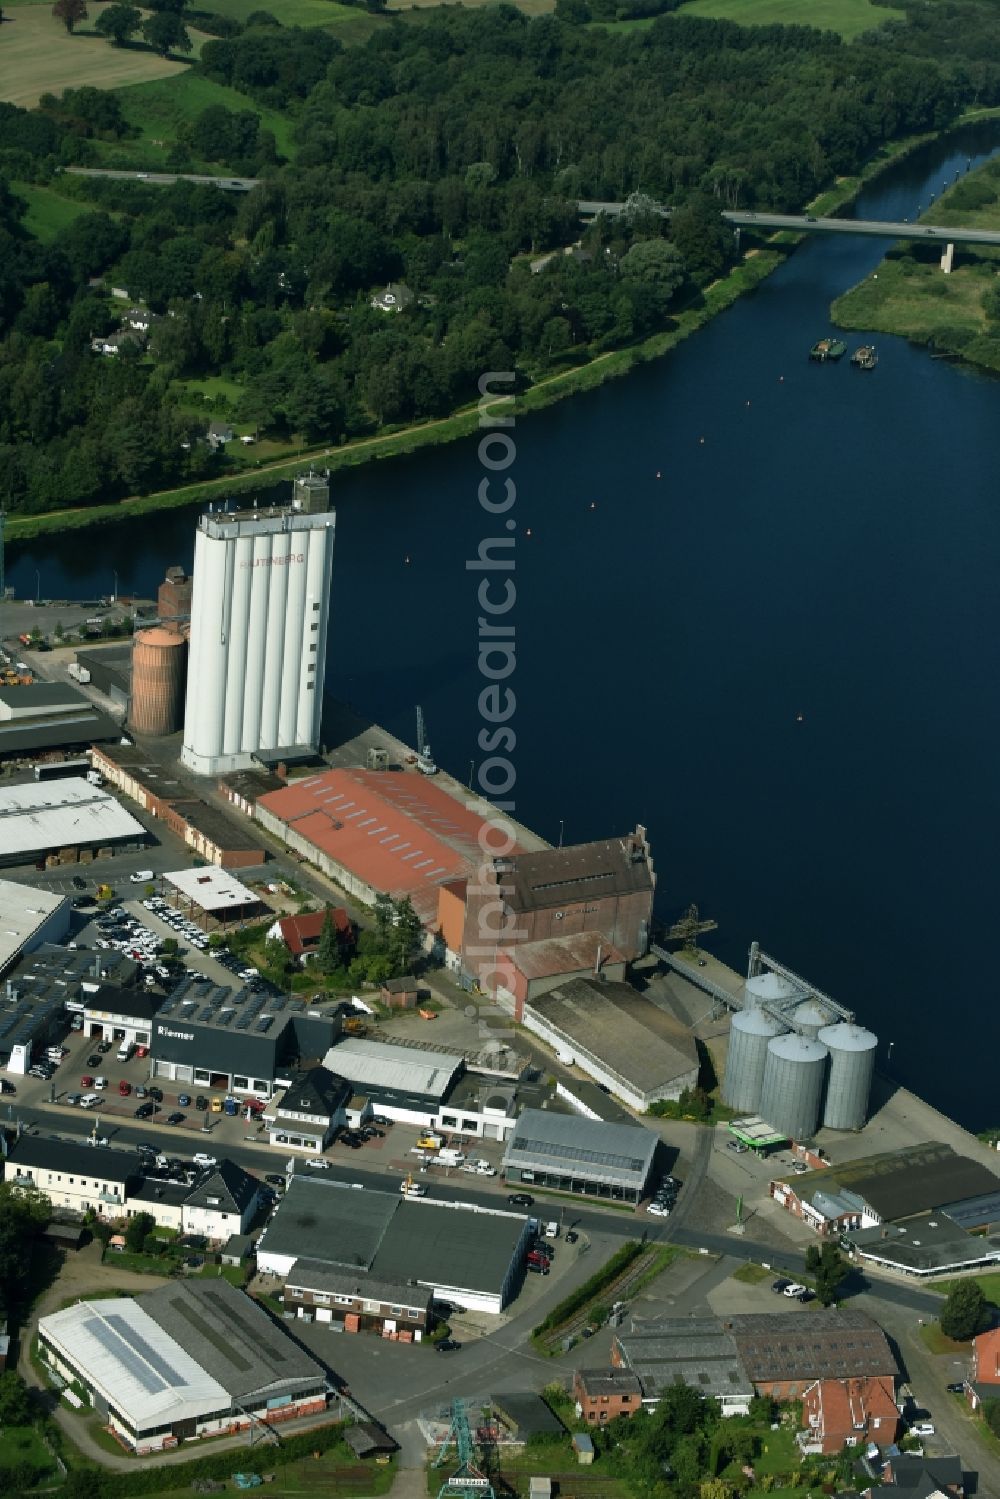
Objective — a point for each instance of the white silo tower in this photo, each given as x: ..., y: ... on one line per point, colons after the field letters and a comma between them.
x: 259, y: 614
x: 794, y: 1074
x: 852, y: 1063
x: 749, y: 1034
x: 810, y: 1017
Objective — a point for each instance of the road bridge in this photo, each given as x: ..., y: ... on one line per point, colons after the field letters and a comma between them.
x: 805, y: 223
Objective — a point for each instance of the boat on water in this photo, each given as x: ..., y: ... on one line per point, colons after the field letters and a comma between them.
x: 828, y: 349
x: 865, y: 358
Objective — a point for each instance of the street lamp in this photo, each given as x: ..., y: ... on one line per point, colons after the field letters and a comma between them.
x: 114, y: 596
x: 38, y: 586
x: 888, y: 1055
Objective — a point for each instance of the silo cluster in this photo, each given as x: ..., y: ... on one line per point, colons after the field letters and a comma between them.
x: 158, y: 661
x: 797, y: 1071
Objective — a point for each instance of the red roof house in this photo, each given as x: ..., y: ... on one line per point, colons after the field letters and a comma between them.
x: 301, y: 934
x: 849, y: 1412
x: 986, y: 1350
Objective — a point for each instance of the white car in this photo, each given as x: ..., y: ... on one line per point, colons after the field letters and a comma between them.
x: 793, y: 1290
x: 658, y: 1210
x: 319, y: 1165
x: 100, y: 1083
x: 201, y: 1159
x: 89, y: 1099
x: 922, y: 1429
x: 413, y: 1189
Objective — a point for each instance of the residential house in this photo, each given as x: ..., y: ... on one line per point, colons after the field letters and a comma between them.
x: 394, y: 298
x: 603, y: 1394
x: 308, y: 1113
x: 223, y: 1203
x: 924, y: 1477
x: 218, y: 434
x: 301, y: 934
x: 82, y: 1178
x: 984, y: 1383
x: 139, y: 319
x: 117, y: 343
x: 400, y: 1310
x: 838, y: 1413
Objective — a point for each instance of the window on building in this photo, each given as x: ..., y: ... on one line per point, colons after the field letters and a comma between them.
x: 412, y: 1313
x: 314, y: 625
x: 313, y: 646
x: 397, y: 1311
x: 470, y: 1123
x: 344, y: 1300
x: 295, y: 1293
x: 450, y: 1121
x: 241, y: 1082
x: 310, y: 686
x: 321, y: 1298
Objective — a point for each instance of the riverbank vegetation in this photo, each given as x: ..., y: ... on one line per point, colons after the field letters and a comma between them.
x: 399, y: 162
x: 956, y: 314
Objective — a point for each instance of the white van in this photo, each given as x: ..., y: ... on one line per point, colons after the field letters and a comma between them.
x: 89, y: 1099
x: 141, y: 877
x: 124, y: 1051
x: 448, y: 1157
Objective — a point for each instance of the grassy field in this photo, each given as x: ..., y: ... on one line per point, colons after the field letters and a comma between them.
x: 288, y: 12
x: 22, y: 1444
x: 38, y: 56
x: 751, y: 1275
x: 157, y: 108
x: 908, y: 295
x: 849, y: 17
x: 48, y: 211
x: 526, y: 7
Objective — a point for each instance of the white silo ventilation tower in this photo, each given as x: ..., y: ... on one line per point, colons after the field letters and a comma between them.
x: 259, y: 614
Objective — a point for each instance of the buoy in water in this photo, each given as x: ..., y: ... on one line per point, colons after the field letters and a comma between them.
x: 701, y: 439
x: 657, y: 473
x: 528, y: 532
x: 406, y: 560
x: 593, y: 504
x: 800, y: 718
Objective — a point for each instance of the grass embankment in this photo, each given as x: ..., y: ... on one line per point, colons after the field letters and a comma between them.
x: 848, y: 17
x: 751, y: 1275
x: 157, y: 109
x: 39, y: 56
x: 49, y: 212
x: 909, y: 295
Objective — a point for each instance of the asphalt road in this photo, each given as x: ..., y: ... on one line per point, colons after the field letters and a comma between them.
x: 164, y: 179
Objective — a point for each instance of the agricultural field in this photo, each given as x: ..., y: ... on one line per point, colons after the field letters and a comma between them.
x: 849, y: 17
x: 288, y: 12
x: 526, y: 7
x: 48, y: 211
x: 156, y: 109
x: 38, y: 56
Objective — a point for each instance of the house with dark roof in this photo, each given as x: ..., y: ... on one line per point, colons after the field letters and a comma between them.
x: 603, y: 1394
x: 310, y: 1110
x: 78, y: 1177
x: 222, y: 1203
x: 397, y: 1309
x: 922, y: 1477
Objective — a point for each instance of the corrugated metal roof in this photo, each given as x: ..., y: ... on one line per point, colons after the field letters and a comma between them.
x: 61, y: 814
x: 644, y: 1047
x: 130, y: 1360
x: 23, y: 909
x: 588, y: 1148
x: 582, y: 871
x: 379, y: 1064
x: 562, y: 954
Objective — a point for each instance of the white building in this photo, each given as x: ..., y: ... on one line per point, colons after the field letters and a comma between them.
x: 259, y: 615
x: 77, y: 1177
x: 29, y: 916
x: 223, y: 1203
x: 49, y: 816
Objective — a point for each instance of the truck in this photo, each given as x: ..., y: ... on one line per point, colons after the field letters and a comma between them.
x: 450, y: 1157
x: 55, y: 770
x: 95, y: 778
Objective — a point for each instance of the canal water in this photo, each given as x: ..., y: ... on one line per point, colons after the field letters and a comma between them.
x: 757, y: 610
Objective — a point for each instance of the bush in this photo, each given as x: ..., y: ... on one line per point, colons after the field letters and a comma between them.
x: 590, y: 1288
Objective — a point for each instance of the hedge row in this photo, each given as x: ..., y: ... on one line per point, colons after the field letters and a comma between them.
x: 576, y: 1299
x: 151, y: 1480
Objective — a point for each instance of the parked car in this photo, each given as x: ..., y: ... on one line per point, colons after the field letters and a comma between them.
x: 201, y: 1102
x: 78, y: 883
x: 100, y: 1083
x: 144, y: 1111
x: 537, y: 1269
x: 142, y: 1051
x: 571, y: 1236
x: 142, y: 1091
x: 184, y: 1100
x: 124, y: 1088
x: 94, y: 1060
x: 958, y: 1388
x: 86, y: 1081
x: 807, y: 1295
x: 447, y: 1345
x: 520, y: 1199
x: 104, y: 1047
x: 175, y: 1118
x: 156, y: 1093
x: 318, y: 1164
x: 272, y: 1177
x: 780, y: 1285
x: 201, y: 1158
x: 794, y: 1290
x: 922, y: 1429
x: 658, y: 1210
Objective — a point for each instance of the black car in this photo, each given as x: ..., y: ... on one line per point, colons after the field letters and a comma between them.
x: 156, y: 1093
x: 571, y: 1236
x: 144, y: 1111
x: 275, y: 1180
x: 538, y: 1269
x: 104, y: 1047
x: 382, y: 1119
x: 780, y: 1286
x: 175, y: 1118
x: 82, y: 902
x: 520, y: 1199
x: 447, y: 1345
x: 93, y: 1060
x: 201, y: 1102
x: 956, y: 1389
x: 807, y: 1295
x: 78, y: 883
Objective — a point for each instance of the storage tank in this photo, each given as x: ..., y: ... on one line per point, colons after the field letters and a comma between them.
x: 158, y: 660
x: 749, y: 1035
x: 810, y: 1018
x: 770, y: 987
x: 852, y: 1062
x: 794, y: 1074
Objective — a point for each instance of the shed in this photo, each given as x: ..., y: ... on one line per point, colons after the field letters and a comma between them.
x: 540, y: 1488
x: 583, y: 1446
x: 236, y: 1249
x: 366, y: 1439
x: 66, y: 1234
x: 117, y: 1243
x: 401, y: 993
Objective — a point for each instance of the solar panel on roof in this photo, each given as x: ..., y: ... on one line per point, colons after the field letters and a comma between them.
x: 263, y: 1026
x: 244, y: 1022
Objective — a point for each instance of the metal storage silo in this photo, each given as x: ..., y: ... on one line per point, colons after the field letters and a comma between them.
x: 810, y: 1018
x: 158, y: 660
x: 770, y: 987
x: 852, y: 1062
x: 794, y: 1074
x: 749, y: 1035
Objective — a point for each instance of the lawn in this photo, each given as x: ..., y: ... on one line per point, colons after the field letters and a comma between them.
x: 39, y: 56
x: 48, y: 211
x: 157, y: 108
x: 289, y: 12
x: 332, y: 1474
x: 22, y: 1444
x: 849, y: 17
x: 751, y: 1275
x: 526, y: 7
x: 988, y: 1284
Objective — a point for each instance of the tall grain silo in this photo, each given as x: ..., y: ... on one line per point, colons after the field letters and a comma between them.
x: 749, y: 1035
x: 852, y: 1063
x: 158, y: 660
x: 771, y: 988
x: 794, y: 1075
x: 810, y: 1018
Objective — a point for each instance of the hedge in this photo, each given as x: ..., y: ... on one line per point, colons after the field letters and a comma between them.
x: 590, y: 1288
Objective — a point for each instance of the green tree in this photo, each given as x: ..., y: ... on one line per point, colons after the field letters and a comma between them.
x: 384, y: 914
x: 69, y: 12
x: 15, y: 1402
x: 407, y: 933
x: 965, y: 1313
x: 166, y: 32
x: 654, y: 263
x: 328, y: 958
x: 276, y: 955
x: 57, y: 630
x: 828, y: 1267
x: 119, y: 23
x: 139, y: 1226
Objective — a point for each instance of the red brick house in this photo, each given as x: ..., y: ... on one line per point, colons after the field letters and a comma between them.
x: 603, y: 1394
x: 838, y: 1413
x: 301, y: 934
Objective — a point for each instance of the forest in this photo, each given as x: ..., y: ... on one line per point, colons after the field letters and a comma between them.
x: 446, y: 155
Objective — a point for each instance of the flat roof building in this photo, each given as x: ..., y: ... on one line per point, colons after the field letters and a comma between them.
x: 587, y: 1157
x: 29, y: 916
x: 62, y: 817
x: 194, y: 1358
x: 639, y: 1052
x: 407, y: 1082
x: 211, y: 894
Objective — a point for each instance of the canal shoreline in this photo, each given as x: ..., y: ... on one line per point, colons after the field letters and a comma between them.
x: 755, y: 267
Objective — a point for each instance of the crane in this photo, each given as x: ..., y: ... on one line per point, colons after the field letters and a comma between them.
x: 425, y: 760
x: 688, y: 929
x: 467, y: 1478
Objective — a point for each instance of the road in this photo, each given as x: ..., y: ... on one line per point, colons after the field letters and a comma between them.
x: 808, y: 224
x: 166, y: 179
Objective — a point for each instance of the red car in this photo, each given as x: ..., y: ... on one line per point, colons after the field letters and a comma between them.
x: 124, y: 1088
x: 86, y: 1081
x: 142, y: 1051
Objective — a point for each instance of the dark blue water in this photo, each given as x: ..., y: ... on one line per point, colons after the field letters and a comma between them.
x: 781, y: 656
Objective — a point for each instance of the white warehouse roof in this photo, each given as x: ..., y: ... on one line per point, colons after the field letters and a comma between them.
x: 24, y: 909
x: 212, y: 889
x: 378, y: 1064
x: 61, y: 814
x: 138, y: 1368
